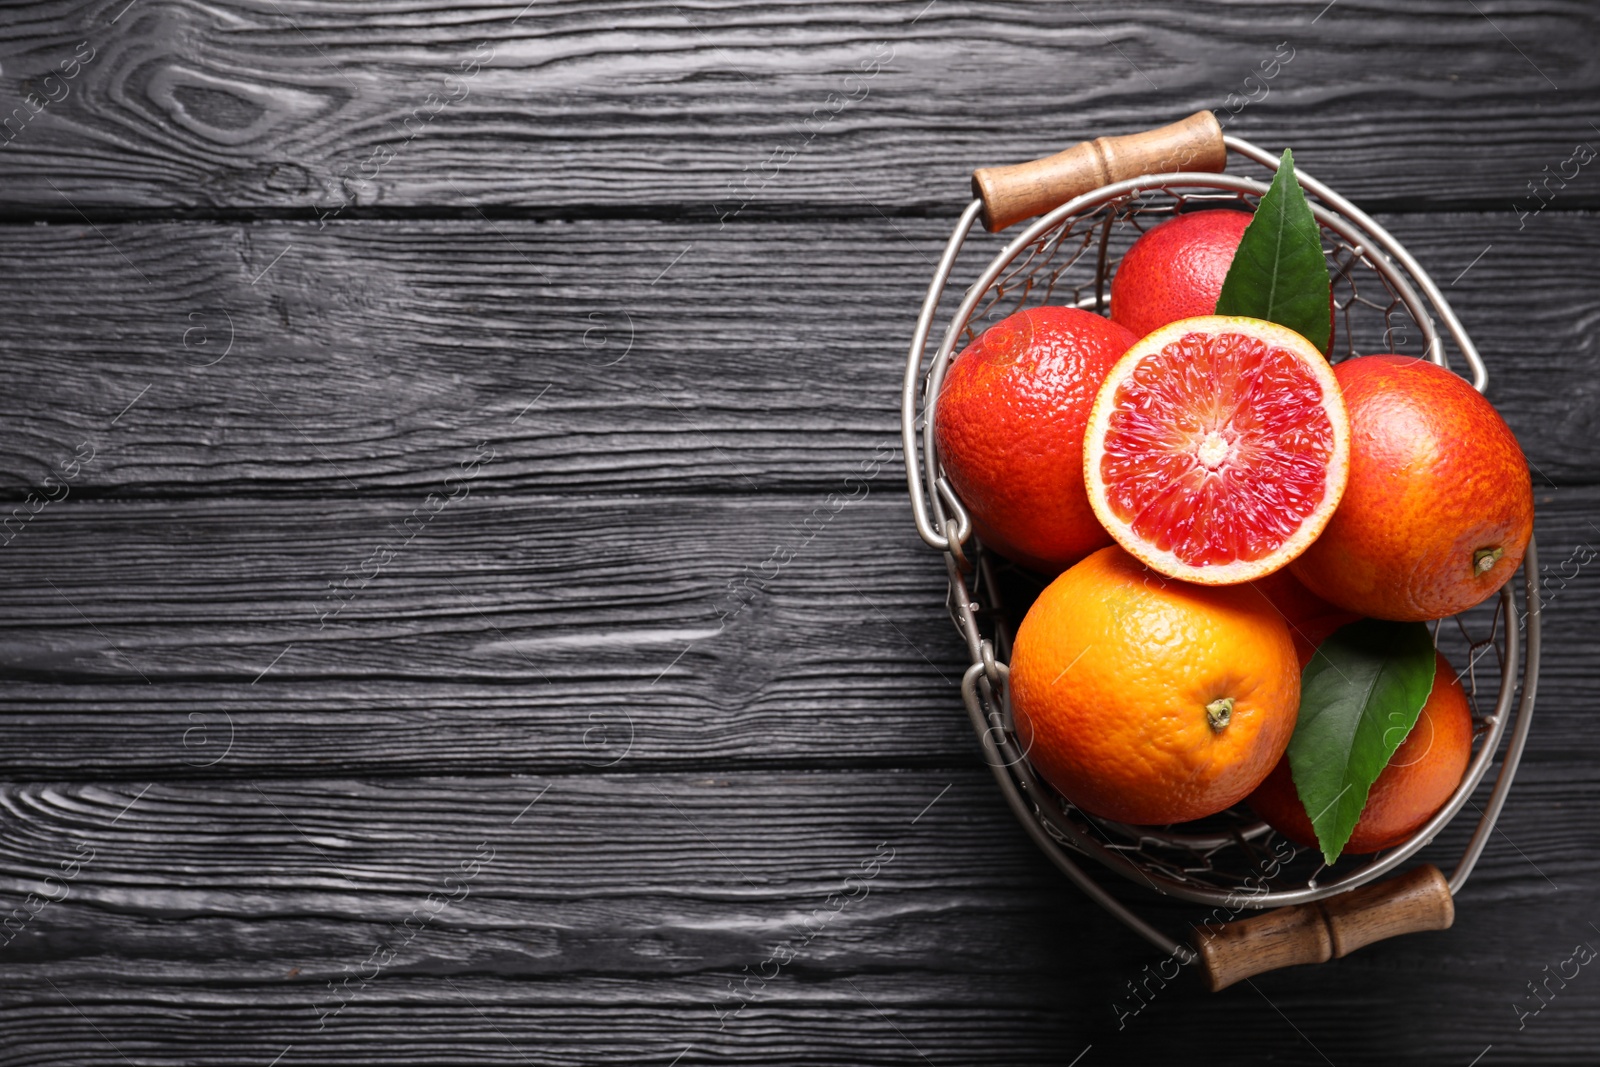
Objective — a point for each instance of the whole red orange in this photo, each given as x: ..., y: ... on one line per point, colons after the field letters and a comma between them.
x: 1176, y: 270
x: 1421, y: 776
x: 1438, y: 509
x: 1009, y: 428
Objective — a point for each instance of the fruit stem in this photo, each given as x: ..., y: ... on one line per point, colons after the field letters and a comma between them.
x: 1485, y: 558
x: 1219, y: 712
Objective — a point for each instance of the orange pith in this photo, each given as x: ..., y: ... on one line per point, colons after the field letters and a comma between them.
x: 1148, y: 700
x: 1217, y: 449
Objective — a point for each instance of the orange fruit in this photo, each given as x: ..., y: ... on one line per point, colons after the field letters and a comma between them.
x: 1439, y: 506
x: 1310, y: 618
x: 1009, y: 430
x: 1294, y: 601
x: 1421, y: 776
x: 1176, y: 270
x: 1147, y: 700
x: 1309, y: 633
x: 1217, y: 449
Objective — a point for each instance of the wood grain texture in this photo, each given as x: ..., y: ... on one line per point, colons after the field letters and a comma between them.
x: 506, y: 635
x: 622, y: 262
x: 1417, y: 900
x: 150, y: 638
x: 593, y: 356
x: 1023, y: 190
x: 883, y: 1019
x: 712, y: 108
x: 618, y: 908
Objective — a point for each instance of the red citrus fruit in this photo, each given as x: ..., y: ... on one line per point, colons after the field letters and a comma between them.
x: 1310, y: 618
x: 1176, y: 270
x: 1148, y: 700
x: 1421, y: 776
x: 1217, y: 449
x: 1293, y: 600
x: 1009, y: 428
x: 1439, y: 506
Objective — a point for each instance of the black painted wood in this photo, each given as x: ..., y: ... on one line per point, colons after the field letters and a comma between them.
x: 364, y: 851
x: 591, y: 356
x: 187, y: 638
x: 643, y: 362
x: 632, y: 901
x: 726, y: 108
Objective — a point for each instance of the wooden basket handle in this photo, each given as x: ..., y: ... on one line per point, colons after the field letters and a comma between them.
x: 1023, y: 190
x: 1327, y: 929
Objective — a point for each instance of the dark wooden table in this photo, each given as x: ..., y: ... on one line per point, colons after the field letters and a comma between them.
x: 393, y: 394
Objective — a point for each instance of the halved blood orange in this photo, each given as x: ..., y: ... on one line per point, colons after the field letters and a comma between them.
x: 1217, y: 449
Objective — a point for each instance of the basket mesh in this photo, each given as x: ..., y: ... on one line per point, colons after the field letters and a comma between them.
x: 1072, y: 263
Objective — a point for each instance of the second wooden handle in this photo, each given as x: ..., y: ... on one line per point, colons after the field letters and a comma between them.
x: 1023, y: 190
x: 1312, y: 933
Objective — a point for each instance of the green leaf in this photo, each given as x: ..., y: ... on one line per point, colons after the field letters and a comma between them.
x: 1359, y: 697
x: 1279, y: 272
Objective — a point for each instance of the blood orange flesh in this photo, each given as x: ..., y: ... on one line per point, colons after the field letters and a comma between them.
x: 1217, y: 449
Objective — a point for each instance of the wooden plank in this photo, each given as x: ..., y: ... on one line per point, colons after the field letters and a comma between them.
x: 734, y: 107
x: 511, y: 634
x: 600, y: 356
x: 880, y: 1019
x: 618, y: 908
x: 268, y: 798
x: 594, y: 862
x: 160, y: 638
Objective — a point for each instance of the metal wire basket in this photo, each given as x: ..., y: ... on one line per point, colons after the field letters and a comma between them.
x: 1097, y: 198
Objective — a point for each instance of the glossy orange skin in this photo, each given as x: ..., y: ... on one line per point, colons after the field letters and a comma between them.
x: 1435, y: 475
x: 1176, y: 270
x: 1111, y: 673
x: 1422, y: 774
x: 1009, y: 429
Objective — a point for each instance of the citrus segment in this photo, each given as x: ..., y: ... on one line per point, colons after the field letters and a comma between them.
x: 1217, y: 449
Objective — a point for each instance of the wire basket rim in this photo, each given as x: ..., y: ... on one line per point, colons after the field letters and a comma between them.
x: 945, y: 524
